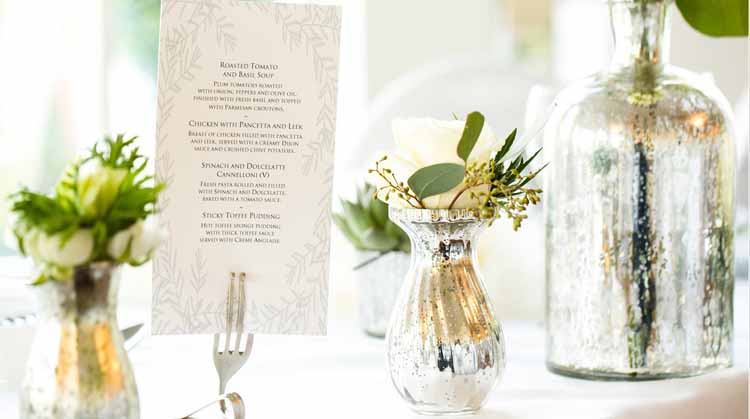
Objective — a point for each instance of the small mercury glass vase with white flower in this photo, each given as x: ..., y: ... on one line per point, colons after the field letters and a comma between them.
x: 445, y: 183
x: 100, y: 216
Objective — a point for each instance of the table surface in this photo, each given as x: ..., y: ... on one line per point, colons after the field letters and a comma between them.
x: 343, y: 375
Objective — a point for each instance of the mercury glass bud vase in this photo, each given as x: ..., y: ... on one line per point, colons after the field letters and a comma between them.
x: 445, y: 347
x: 639, y: 213
x: 78, y: 367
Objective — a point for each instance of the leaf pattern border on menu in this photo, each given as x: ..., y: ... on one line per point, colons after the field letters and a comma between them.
x: 312, y: 28
x: 179, y: 55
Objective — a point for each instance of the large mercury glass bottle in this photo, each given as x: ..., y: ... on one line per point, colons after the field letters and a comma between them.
x: 639, y: 214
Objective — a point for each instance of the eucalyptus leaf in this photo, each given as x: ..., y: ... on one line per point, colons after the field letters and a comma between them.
x: 470, y: 135
x: 716, y: 17
x: 436, y: 179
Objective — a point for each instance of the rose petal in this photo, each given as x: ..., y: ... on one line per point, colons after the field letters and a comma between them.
x: 74, y: 252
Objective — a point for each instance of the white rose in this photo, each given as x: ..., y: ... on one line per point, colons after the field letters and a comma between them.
x: 422, y: 142
x: 75, y: 251
x: 98, y: 186
x: 427, y: 141
x: 31, y: 244
x: 143, y: 238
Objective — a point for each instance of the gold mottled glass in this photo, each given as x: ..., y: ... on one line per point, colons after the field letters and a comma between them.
x: 445, y: 347
x: 78, y: 367
x: 639, y: 213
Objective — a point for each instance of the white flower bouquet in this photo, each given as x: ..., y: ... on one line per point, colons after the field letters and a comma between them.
x: 102, y: 210
x: 456, y: 164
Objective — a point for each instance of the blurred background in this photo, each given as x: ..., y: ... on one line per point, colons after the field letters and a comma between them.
x: 78, y: 70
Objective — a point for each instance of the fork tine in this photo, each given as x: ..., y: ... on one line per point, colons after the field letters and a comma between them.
x: 230, y: 311
x: 240, y: 313
x: 216, y: 342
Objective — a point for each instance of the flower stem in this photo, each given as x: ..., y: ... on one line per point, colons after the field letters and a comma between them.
x: 455, y: 198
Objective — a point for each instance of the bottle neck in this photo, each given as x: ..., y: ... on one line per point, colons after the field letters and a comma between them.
x: 641, y: 33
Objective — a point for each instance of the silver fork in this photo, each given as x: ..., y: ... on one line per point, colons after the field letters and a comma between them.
x: 228, y: 362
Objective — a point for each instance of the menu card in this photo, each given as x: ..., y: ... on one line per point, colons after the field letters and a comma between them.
x: 245, y: 140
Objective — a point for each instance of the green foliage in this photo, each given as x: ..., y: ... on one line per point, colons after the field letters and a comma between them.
x: 117, y: 173
x: 365, y: 223
x: 136, y: 199
x: 509, y: 140
x: 716, y: 17
x: 470, y: 135
x: 436, y: 179
x: 442, y: 177
x: 393, y: 185
x: 507, y: 185
x: 497, y: 186
x: 47, y: 214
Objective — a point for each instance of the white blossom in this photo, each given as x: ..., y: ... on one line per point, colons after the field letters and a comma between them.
x: 137, y: 243
x: 422, y: 142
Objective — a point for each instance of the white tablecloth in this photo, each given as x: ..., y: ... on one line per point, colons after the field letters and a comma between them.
x: 344, y: 376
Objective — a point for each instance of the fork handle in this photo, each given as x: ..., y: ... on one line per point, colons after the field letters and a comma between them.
x: 222, y: 385
x: 232, y: 399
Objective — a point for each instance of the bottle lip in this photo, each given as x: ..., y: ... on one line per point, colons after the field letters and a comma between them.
x: 434, y: 215
x: 636, y: 2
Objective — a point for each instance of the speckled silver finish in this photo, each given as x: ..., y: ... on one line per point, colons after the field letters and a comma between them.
x: 445, y: 348
x: 639, y: 214
x: 78, y: 368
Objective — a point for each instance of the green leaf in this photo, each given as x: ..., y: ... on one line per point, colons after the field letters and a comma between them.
x: 472, y: 130
x: 436, y: 179
x: 525, y: 163
x: 20, y: 243
x: 378, y: 240
x: 533, y: 175
x: 506, y: 146
x: 395, y: 231
x: 99, y: 231
x: 67, y: 188
x: 348, y: 233
x: 357, y: 218
x: 716, y: 17
x: 379, y: 212
x: 364, y: 195
x: 42, y: 212
x: 39, y: 280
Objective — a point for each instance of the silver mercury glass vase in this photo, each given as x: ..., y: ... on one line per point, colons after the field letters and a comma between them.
x: 446, y: 349
x: 639, y: 214
x: 78, y: 367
